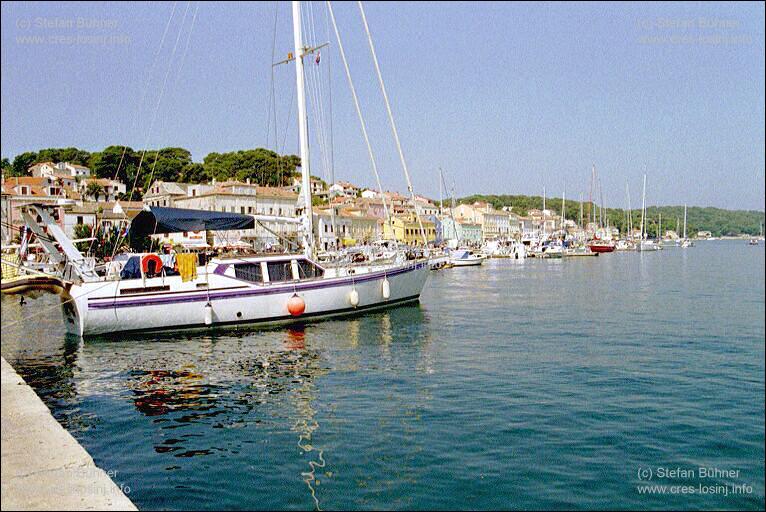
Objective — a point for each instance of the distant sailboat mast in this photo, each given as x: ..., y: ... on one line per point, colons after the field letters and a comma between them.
x: 544, y: 212
x: 563, y: 207
x: 643, y: 209
x: 659, y: 228
x: 441, y: 186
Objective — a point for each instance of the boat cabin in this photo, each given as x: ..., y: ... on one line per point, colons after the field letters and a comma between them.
x: 277, y: 269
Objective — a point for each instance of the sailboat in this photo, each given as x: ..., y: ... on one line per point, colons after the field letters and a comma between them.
x: 754, y: 240
x: 686, y: 242
x: 224, y: 291
x: 644, y: 244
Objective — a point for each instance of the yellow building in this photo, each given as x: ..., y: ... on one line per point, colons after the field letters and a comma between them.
x: 405, y: 228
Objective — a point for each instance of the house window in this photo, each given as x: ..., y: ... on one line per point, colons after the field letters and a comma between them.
x: 280, y: 211
x: 242, y: 208
x: 271, y: 211
x: 249, y: 209
x: 194, y: 192
x: 79, y: 219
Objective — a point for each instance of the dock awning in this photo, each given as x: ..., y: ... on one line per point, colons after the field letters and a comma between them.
x: 155, y: 219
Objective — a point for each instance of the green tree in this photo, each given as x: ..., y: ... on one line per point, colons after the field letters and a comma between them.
x: 23, y: 162
x: 71, y: 155
x: 193, y: 173
x: 6, y: 166
x: 260, y: 165
x: 95, y: 190
x: 166, y: 164
x: 119, y: 162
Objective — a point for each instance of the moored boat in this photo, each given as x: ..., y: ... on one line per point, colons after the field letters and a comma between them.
x: 465, y: 258
x: 601, y: 246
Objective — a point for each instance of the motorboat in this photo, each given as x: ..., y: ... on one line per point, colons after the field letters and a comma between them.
x: 465, y: 258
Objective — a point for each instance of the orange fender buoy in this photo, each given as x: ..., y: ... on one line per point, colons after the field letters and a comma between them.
x: 296, y: 306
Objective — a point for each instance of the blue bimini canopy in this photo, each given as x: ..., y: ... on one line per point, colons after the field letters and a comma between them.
x: 155, y: 219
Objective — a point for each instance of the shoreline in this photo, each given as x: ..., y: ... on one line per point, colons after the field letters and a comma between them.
x: 43, y: 466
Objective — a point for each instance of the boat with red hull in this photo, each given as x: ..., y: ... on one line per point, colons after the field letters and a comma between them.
x: 601, y: 247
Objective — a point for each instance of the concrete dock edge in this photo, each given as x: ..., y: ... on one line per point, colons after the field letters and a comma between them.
x: 43, y: 466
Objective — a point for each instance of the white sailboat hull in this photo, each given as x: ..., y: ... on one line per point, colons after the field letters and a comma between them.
x: 99, y: 308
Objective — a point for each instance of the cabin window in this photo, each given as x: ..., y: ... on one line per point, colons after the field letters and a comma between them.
x: 307, y: 270
x: 280, y: 271
x: 249, y: 272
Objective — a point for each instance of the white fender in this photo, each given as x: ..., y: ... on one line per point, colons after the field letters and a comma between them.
x: 208, y: 314
x: 353, y: 297
x: 386, y: 288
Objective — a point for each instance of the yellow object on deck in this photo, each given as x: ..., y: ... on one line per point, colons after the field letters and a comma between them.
x: 187, y: 266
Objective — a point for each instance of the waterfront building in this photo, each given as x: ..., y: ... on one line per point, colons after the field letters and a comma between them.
x: 545, y: 220
x: 164, y: 193
x: 426, y: 207
x: 61, y: 169
x: 464, y: 231
x: 373, y: 207
x: 18, y: 191
x: 330, y: 228
x: 103, y: 214
x: 495, y: 224
x: 364, y: 228
x: 406, y: 228
x: 234, y: 197
x: 318, y: 188
x: 112, y: 189
x: 344, y: 188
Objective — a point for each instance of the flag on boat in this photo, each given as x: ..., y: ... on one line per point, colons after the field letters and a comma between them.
x: 319, y: 56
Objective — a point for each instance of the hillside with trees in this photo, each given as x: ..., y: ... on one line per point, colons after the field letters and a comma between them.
x: 718, y: 221
x: 259, y: 165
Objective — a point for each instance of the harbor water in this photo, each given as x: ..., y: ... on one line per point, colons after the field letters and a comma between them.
x: 585, y: 383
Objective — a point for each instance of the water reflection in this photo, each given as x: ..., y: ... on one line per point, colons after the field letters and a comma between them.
x: 185, y: 384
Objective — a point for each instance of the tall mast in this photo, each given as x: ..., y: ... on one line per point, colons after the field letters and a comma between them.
x: 591, y: 205
x: 643, y: 209
x: 684, y: 221
x: 544, y: 212
x: 441, y: 184
x: 630, y: 212
x: 659, y: 228
x: 563, y: 207
x: 300, y: 50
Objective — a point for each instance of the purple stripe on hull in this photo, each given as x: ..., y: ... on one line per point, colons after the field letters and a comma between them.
x: 203, y: 296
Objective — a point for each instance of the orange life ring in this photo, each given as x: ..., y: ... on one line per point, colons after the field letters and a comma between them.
x: 157, y: 263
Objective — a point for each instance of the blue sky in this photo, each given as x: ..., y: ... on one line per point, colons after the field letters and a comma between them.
x: 506, y: 98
